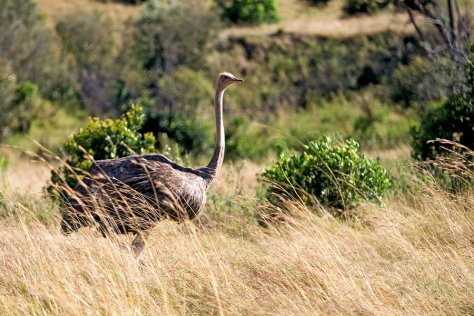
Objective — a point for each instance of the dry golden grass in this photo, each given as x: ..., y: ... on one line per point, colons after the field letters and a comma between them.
x: 55, y: 9
x: 415, y: 256
x: 300, y: 18
x: 23, y: 175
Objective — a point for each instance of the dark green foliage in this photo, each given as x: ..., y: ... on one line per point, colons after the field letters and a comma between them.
x: 191, y: 135
x: 363, y: 6
x: 125, y: 1
x: 25, y: 105
x: 102, y: 64
x: 333, y: 172
x: 452, y: 120
x: 297, y: 71
x: 249, y: 11
x: 417, y: 5
x: 104, y: 139
x: 417, y: 83
x: 172, y: 34
x: 28, y: 47
x: 20, y: 105
x: 318, y: 2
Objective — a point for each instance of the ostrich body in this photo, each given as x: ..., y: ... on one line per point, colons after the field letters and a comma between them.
x: 130, y: 194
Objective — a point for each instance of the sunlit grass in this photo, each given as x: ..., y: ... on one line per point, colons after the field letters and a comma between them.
x: 414, y: 255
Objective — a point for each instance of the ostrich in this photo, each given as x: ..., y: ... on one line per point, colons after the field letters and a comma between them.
x: 130, y: 194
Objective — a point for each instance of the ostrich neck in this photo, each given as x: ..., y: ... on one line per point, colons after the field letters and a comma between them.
x: 218, y: 157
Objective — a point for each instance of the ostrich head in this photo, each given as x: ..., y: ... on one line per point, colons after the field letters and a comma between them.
x: 226, y: 79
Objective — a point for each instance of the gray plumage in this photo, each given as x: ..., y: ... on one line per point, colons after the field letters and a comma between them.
x: 130, y: 194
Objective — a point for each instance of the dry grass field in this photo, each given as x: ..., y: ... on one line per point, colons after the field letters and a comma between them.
x: 411, y: 255
x: 53, y: 9
x: 414, y: 255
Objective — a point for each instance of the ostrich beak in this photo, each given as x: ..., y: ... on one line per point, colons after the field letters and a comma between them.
x: 238, y: 80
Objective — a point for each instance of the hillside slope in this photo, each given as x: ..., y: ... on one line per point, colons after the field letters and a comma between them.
x: 296, y: 17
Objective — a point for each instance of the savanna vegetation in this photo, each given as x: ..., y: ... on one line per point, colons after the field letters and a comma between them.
x: 349, y: 168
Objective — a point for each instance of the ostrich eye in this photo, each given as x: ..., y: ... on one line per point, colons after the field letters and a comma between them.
x: 225, y: 77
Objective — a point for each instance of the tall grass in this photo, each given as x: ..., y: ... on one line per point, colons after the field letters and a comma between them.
x: 414, y: 256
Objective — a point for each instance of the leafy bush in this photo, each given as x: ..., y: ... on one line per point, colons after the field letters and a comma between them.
x: 249, y: 11
x: 125, y: 1
x: 174, y: 33
x: 452, y: 120
x: 104, y: 139
x: 417, y: 83
x: 20, y: 104
x: 333, y: 172
x: 363, y: 6
x: 28, y: 46
x: 318, y: 2
x: 102, y: 64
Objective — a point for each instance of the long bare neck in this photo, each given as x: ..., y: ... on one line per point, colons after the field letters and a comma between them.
x: 218, y: 157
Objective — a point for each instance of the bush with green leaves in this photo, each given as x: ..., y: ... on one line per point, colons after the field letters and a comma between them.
x: 174, y: 33
x: 363, y: 6
x: 103, y: 139
x: 452, y: 120
x: 102, y: 61
x: 249, y: 11
x: 333, y: 172
x: 318, y: 2
x: 27, y: 44
x: 125, y: 1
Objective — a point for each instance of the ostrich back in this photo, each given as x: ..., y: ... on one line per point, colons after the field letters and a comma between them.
x: 130, y: 194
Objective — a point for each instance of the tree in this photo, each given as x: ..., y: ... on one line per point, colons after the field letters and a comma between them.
x: 104, y: 66
x: 174, y: 33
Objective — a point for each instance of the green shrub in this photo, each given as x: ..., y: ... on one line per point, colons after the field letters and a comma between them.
x: 333, y: 172
x: 104, y: 139
x: 452, y: 120
x: 102, y: 63
x: 249, y: 11
x: 319, y: 2
x: 174, y: 33
x: 125, y: 1
x: 363, y: 6
x: 20, y: 105
x: 28, y: 46
x: 417, y: 83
